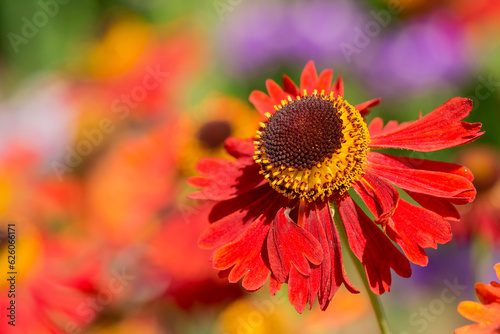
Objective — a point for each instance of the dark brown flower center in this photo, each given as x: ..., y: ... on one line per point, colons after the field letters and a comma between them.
x: 303, y: 133
x: 312, y: 147
x: 213, y: 134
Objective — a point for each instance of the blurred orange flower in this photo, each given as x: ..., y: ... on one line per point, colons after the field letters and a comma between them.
x: 217, y: 118
x: 146, y: 78
x: 486, y: 313
x: 128, y: 187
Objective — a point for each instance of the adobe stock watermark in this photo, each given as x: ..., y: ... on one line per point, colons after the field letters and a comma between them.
x: 120, y: 106
x: 363, y: 36
x: 89, y: 309
x: 421, y: 319
x: 223, y: 7
x: 484, y: 90
x: 30, y: 26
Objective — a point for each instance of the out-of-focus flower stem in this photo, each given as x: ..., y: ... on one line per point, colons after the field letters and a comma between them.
x: 374, y: 299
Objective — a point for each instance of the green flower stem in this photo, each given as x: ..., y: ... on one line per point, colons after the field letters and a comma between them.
x: 374, y: 299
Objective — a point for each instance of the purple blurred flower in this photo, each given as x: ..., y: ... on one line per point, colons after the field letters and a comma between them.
x: 257, y: 34
x: 425, y: 53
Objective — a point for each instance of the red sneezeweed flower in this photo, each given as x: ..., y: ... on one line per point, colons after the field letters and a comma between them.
x: 486, y: 313
x: 273, y: 216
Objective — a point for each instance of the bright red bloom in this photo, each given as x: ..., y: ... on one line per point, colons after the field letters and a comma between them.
x: 486, y: 313
x: 273, y: 216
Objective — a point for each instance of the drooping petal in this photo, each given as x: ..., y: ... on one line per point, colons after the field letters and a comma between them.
x: 262, y: 102
x: 274, y: 285
x: 223, y: 179
x: 414, y: 228
x: 441, y: 128
x: 231, y: 217
x: 325, y: 278
x: 372, y: 247
x: 321, y: 216
x: 441, y: 206
x: 297, y: 290
x: 245, y: 257
x: 288, y: 244
x: 379, y: 196
x: 434, y: 178
x: 364, y: 108
x: 309, y: 78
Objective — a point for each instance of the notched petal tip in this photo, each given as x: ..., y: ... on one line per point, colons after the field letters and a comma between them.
x: 288, y: 244
x: 441, y: 128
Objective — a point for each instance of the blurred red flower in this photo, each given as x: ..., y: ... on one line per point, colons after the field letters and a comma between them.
x: 196, y: 283
x: 482, y: 217
x: 486, y: 313
x: 273, y: 202
x: 52, y: 285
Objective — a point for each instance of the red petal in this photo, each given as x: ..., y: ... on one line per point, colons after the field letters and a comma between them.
x: 309, y: 78
x: 438, y: 130
x: 375, y: 126
x: 438, y: 205
x: 289, y: 244
x: 275, y: 92
x: 290, y: 87
x: 274, y: 285
x: 434, y: 178
x: 262, y: 102
x: 364, y: 108
x: 414, y: 228
x: 224, y: 273
x: 231, y: 217
x: 240, y: 148
x: 223, y: 179
x: 372, y: 247
x: 379, y: 196
x: 338, y: 87
x: 325, y: 81
x: 325, y: 278
x: 244, y: 257
x: 391, y: 126
x: 297, y: 290
x: 331, y: 272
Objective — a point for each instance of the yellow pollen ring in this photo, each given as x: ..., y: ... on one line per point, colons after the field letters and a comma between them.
x: 332, y: 177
